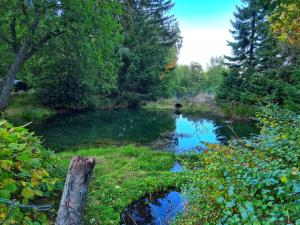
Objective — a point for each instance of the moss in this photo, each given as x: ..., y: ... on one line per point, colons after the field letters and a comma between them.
x: 122, y: 175
x: 24, y: 108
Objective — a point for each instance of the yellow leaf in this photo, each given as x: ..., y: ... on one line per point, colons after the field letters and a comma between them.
x: 284, y: 179
x: 2, y: 216
x: 34, y: 181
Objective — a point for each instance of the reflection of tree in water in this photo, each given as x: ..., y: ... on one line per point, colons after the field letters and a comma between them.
x: 94, y: 126
x: 158, y: 208
x: 223, y: 130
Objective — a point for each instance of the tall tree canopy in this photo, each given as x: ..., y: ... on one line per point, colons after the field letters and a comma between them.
x: 261, y: 66
x: 149, y: 32
x: 71, y: 46
x: 25, y: 27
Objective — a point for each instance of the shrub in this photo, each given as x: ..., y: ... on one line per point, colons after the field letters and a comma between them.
x: 25, y: 176
x: 251, y: 181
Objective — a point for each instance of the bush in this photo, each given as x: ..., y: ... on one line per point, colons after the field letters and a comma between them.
x: 25, y: 176
x: 251, y: 181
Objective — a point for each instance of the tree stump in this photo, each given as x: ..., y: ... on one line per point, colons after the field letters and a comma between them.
x: 75, y: 191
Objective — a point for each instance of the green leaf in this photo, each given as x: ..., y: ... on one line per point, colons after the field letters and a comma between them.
x: 36, y: 163
x: 27, y: 193
x: 11, y: 188
x: 5, y: 194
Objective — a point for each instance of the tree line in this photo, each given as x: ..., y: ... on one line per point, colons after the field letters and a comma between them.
x: 264, y: 66
x: 73, y: 52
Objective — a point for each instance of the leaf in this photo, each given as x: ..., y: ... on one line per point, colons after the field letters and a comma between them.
x: 27, y: 193
x: 5, y: 194
x: 36, y: 163
x: 243, y: 212
x: 6, y: 164
x: 11, y: 188
x: 38, y: 193
x: 230, y: 190
x: 284, y: 179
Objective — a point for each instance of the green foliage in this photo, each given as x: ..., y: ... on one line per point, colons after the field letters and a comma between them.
x: 150, y: 33
x: 261, y: 68
x: 285, y: 21
x: 192, y: 80
x: 122, y: 176
x: 25, y: 108
x: 25, y: 175
x: 251, y: 181
x: 82, y: 64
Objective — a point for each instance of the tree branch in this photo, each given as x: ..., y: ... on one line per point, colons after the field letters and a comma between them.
x: 13, y: 34
x: 36, y: 46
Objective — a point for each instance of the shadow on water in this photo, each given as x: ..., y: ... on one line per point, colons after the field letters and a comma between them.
x: 159, y: 208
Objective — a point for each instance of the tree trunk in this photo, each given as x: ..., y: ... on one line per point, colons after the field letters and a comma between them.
x: 75, y: 191
x: 7, y: 82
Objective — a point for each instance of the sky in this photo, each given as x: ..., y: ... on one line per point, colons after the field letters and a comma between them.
x: 204, y: 26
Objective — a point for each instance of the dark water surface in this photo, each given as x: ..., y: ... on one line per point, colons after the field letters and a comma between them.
x: 159, y: 209
x: 143, y: 127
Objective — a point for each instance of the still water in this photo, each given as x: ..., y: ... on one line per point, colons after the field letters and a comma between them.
x: 182, y: 132
x: 162, y: 130
x: 158, y: 208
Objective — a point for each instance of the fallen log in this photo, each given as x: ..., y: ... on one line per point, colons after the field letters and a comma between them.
x: 75, y: 191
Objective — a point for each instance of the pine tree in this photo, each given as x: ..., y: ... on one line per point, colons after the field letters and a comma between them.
x: 149, y: 33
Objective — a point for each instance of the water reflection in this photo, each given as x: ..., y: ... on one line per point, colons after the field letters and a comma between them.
x: 191, y: 133
x: 158, y: 208
x: 106, y: 127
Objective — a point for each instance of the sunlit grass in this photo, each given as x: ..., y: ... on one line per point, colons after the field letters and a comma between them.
x: 122, y: 175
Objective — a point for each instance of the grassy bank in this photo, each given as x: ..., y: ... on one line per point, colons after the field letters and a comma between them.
x: 204, y: 105
x: 24, y: 108
x: 123, y: 175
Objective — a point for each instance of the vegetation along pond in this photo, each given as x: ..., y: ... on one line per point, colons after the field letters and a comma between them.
x: 163, y: 130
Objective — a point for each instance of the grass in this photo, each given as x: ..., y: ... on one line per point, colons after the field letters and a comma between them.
x: 188, y: 106
x: 123, y: 175
x: 24, y: 108
x: 238, y: 111
x: 200, y: 105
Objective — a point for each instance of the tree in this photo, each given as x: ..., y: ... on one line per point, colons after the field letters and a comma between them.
x: 25, y: 27
x: 262, y: 67
x: 285, y: 21
x: 150, y: 32
x: 80, y: 68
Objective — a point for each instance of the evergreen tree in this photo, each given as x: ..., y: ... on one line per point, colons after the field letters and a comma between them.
x: 149, y: 33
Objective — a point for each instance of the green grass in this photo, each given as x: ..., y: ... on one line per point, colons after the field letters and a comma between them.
x: 25, y: 108
x: 122, y: 175
x: 237, y: 111
x: 187, y: 106
x: 222, y: 109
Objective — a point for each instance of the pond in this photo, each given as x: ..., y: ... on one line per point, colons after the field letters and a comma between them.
x: 163, y: 130
x: 178, y: 133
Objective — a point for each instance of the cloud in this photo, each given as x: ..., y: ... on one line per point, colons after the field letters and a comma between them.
x: 200, y: 44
